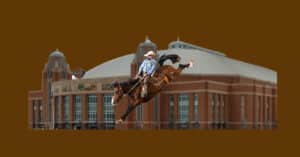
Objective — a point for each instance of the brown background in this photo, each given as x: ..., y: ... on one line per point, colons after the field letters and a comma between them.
x: 89, y: 33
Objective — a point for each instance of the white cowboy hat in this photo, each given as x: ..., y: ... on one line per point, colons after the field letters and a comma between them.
x: 149, y: 53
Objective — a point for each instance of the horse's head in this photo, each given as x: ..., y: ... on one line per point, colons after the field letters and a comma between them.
x: 118, y: 92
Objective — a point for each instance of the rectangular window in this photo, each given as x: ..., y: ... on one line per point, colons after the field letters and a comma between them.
x: 257, y: 111
x: 267, y: 112
x: 196, y: 112
x: 40, y: 114
x: 108, y: 111
x: 57, y: 114
x: 66, y: 108
x: 217, y: 107
x: 243, y: 112
x: 139, y: 116
x: 171, y: 111
x: 212, y: 108
x: 183, y: 108
x: 92, y: 107
x: 156, y: 108
x: 222, y: 112
x: 77, y: 108
x: 33, y: 113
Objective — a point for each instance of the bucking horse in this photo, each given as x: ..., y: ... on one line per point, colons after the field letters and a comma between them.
x: 133, y: 87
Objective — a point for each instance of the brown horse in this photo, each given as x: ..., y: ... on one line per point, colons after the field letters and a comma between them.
x: 164, y: 74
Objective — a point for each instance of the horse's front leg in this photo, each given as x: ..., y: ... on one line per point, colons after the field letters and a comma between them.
x: 129, y: 109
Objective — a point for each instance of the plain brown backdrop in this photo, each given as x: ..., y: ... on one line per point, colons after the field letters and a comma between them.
x: 88, y: 33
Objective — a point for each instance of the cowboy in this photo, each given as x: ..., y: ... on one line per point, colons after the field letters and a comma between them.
x: 147, y: 69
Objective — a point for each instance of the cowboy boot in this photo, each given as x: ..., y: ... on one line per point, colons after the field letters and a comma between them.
x: 144, y: 91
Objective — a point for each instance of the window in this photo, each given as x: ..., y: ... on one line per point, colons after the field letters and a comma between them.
x: 139, y: 113
x: 171, y: 111
x: 77, y: 108
x: 40, y: 114
x: 257, y: 112
x: 33, y: 113
x: 139, y: 116
x: 267, y: 112
x: 216, y: 114
x: 183, y: 107
x: 222, y: 112
x: 108, y: 111
x: 66, y: 108
x: 196, y: 112
x: 57, y: 114
x: 92, y: 108
x: 156, y: 108
x: 212, y: 108
x: 243, y: 112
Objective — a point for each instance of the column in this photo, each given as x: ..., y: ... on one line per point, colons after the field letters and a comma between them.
x: 84, y: 111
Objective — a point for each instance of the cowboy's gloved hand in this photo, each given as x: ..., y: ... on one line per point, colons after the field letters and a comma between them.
x: 145, y: 74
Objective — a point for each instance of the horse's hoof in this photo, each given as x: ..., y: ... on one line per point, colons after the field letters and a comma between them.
x: 120, y: 121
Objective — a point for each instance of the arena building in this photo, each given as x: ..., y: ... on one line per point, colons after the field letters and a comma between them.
x: 217, y: 93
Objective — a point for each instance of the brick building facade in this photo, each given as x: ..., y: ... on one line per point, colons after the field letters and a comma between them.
x: 207, y: 97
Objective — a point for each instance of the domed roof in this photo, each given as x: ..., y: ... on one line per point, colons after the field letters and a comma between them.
x: 56, y: 53
x: 205, y: 63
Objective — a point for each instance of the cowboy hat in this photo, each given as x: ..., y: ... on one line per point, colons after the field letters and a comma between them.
x: 149, y: 53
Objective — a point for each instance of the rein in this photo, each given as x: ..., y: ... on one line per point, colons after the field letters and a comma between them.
x: 135, y: 85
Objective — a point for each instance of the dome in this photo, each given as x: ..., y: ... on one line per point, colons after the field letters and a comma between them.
x: 56, y: 53
x: 205, y: 63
